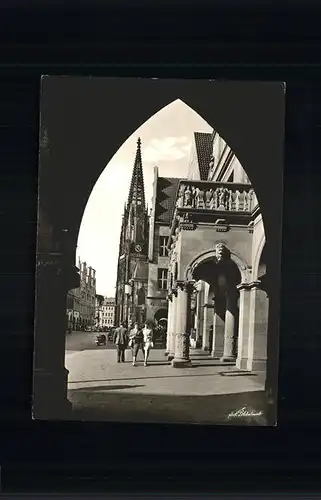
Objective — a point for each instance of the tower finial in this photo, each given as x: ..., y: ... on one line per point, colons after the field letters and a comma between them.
x: 137, y: 192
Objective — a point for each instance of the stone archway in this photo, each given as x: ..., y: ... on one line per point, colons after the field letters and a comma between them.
x: 160, y: 314
x: 209, y: 255
x: 220, y: 308
x: 65, y: 162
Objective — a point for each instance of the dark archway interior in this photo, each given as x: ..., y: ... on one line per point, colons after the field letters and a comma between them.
x: 262, y: 272
x: 223, y: 278
x: 141, y: 296
x: 160, y: 314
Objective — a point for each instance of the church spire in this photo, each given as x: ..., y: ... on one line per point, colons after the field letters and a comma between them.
x: 137, y: 192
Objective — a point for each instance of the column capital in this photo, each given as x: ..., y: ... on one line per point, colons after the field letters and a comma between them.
x: 186, y: 286
x: 249, y: 286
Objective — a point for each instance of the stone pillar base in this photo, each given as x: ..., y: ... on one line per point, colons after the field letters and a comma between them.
x: 258, y: 365
x: 170, y: 357
x: 216, y: 355
x: 227, y: 359
x: 181, y: 363
x: 242, y: 363
x: 50, y: 400
x: 206, y: 349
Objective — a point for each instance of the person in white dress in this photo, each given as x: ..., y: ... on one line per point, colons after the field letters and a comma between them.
x: 148, y: 341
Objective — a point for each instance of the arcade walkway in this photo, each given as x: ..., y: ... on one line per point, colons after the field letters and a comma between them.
x: 101, y: 389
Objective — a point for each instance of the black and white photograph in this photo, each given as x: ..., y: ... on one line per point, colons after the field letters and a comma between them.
x: 158, y: 266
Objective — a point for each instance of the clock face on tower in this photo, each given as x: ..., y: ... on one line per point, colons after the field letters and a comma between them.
x: 138, y: 248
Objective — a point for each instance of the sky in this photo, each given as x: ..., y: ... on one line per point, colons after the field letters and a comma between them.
x: 166, y: 142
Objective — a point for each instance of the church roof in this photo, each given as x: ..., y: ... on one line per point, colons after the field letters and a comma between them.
x: 165, y: 199
x: 136, y: 190
x: 204, y: 150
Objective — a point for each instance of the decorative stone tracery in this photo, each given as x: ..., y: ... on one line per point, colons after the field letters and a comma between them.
x: 221, y: 198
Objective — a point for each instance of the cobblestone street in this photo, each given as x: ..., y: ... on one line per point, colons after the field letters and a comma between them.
x: 102, y: 389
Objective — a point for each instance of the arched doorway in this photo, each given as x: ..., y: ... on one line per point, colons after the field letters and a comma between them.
x: 160, y: 319
x: 66, y: 161
x: 219, y: 305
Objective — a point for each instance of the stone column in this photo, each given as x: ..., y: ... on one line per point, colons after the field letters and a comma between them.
x: 218, y: 336
x: 182, y: 337
x: 244, y: 325
x: 169, y: 325
x: 229, y: 333
x: 207, y: 322
x: 257, y: 342
x: 172, y: 327
x: 199, y: 324
x: 54, y: 279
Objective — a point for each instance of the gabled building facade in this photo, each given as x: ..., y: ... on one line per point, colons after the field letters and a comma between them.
x: 105, y: 312
x: 164, y: 192
x: 81, y: 301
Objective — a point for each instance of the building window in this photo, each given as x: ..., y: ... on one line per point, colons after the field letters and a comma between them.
x: 163, y: 252
x: 162, y: 279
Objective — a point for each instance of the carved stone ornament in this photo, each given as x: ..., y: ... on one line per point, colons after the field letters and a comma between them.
x: 221, y: 252
x: 186, y: 286
x: 221, y: 226
x: 182, y: 346
x: 223, y: 198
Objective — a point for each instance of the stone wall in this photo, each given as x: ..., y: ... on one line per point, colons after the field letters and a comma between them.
x: 260, y: 328
x: 152, y: 290
x: 156, y: 297
x: 258, y: 242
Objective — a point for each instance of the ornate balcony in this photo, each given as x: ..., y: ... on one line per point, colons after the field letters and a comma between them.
x: 216, y: 196
x: 219, y: 203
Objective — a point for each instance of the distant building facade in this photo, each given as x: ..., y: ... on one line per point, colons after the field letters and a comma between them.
x: 81, y: 301
x: 105, y: 312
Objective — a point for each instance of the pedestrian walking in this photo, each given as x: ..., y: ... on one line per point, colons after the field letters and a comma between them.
x: 136, y: 341
x: 148, y: 341
x: 121, y: 341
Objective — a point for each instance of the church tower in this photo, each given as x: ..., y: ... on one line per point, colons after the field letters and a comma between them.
x: 132, y: 275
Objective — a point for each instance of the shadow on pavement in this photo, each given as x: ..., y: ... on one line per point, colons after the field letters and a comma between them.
x: 205, y: 364
x: 107, y: 387
x: 237, y: 374
x: 125, y: 407
x: 160, y: 377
